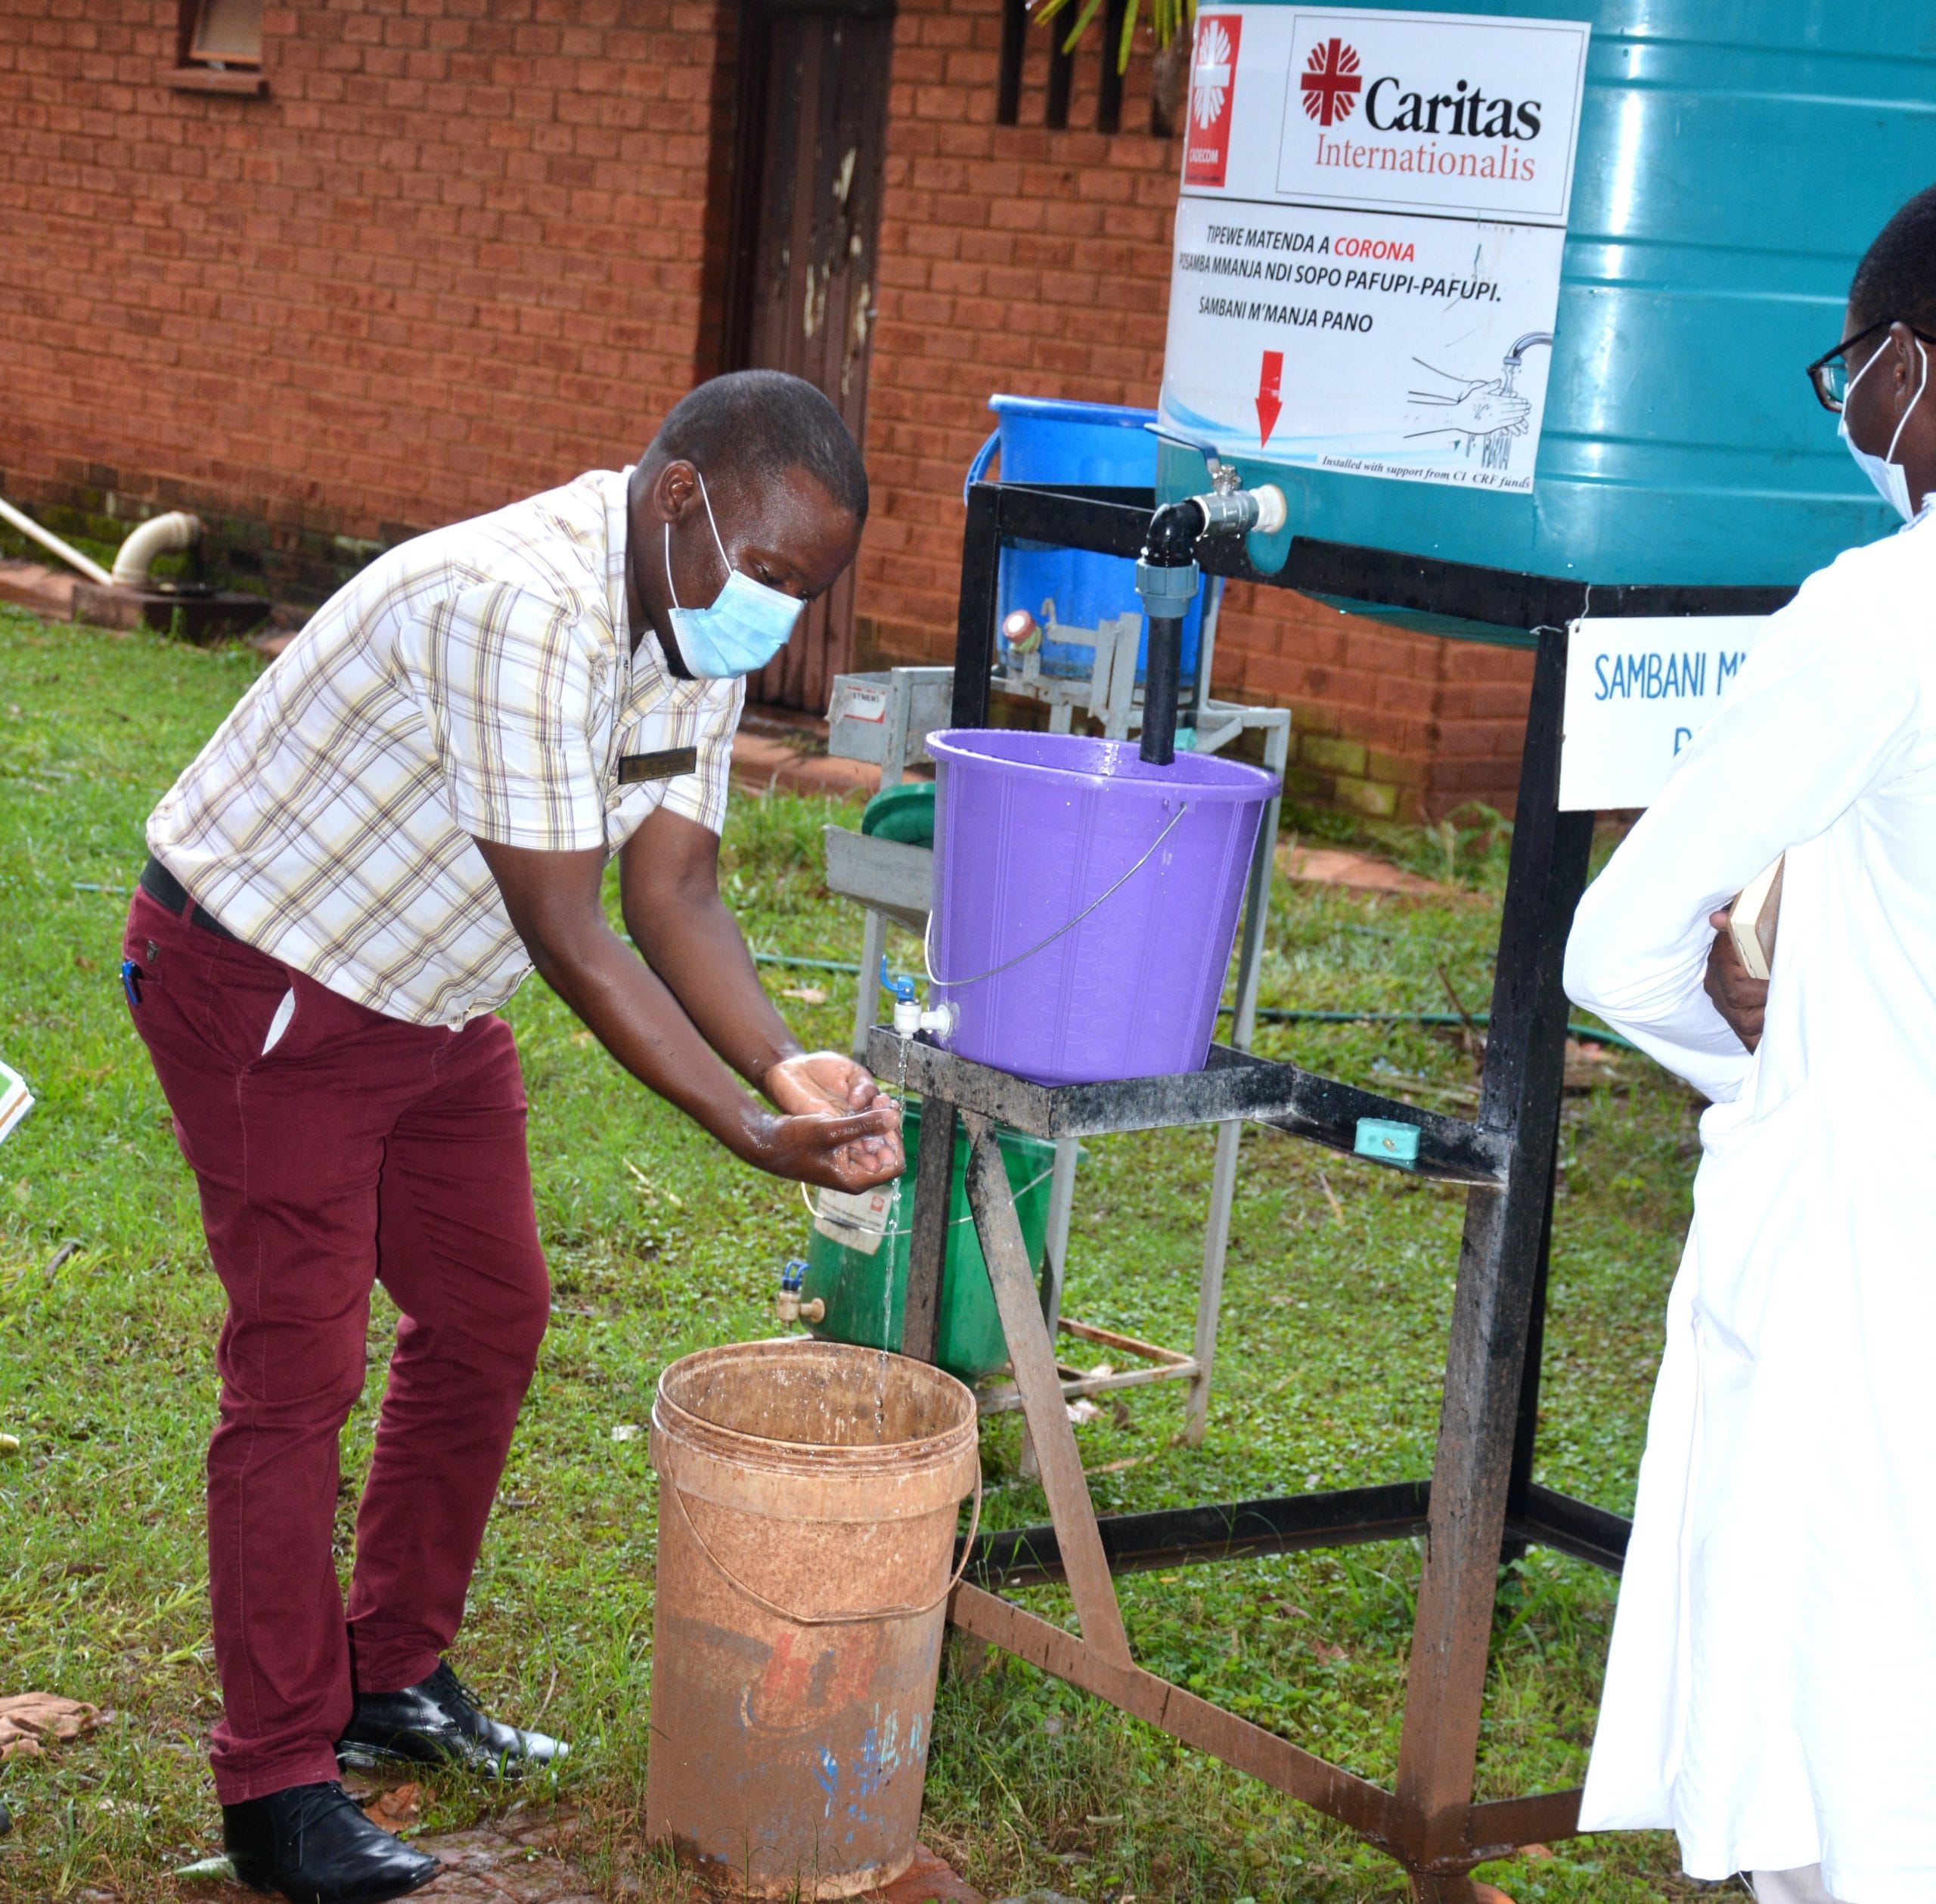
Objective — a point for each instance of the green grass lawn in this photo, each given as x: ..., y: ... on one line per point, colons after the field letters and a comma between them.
x: 1338, y: 1293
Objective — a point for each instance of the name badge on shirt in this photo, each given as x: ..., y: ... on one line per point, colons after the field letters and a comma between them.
x: 666, y: 764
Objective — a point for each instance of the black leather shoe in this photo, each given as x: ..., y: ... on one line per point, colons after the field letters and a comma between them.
x: 314, y: 1845
x: 437, y: 1723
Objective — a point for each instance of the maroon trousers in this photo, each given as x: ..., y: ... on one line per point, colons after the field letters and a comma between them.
x: 357, y: 1148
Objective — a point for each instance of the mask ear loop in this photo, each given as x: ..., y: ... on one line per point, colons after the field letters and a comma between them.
x: 725, y: 561
x: 1889, y: 455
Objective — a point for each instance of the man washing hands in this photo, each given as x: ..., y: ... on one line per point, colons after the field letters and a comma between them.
x: 413, y: 809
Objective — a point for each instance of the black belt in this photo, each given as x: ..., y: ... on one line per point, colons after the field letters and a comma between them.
x: 162, y: 886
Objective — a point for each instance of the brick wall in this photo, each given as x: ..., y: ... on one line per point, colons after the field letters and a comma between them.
x: 464, y: 249
x: 457, y: 253
x: 1017, y: 258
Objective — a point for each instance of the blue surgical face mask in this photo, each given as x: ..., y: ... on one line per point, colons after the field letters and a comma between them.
x: 1891, y: 479
x: 746, y: 626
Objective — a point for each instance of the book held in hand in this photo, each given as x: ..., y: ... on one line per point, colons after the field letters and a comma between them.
x: 1752, y: 919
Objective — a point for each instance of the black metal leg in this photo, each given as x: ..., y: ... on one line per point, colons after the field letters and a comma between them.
x: 1526, y: 1435
x: 927, y: 1247
x: 1498, y: 1267
x: 974, y: 616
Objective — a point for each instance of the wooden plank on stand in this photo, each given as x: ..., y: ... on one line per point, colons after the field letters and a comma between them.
x: 927, y: 1247
x: 1084, y: 1564
x: 1366, y: 1808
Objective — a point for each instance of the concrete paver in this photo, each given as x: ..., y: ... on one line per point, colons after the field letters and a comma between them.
x: 760, y: 761
x: 31, y: 584
x: 1333, y: 866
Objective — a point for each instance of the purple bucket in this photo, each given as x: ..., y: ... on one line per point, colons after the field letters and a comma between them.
x: 1085, y: 901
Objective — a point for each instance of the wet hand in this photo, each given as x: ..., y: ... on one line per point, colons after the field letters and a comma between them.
x: 821, y: 1081
x: 826, y: 1084
x: 1740, y: 999
x: 854, y: 1153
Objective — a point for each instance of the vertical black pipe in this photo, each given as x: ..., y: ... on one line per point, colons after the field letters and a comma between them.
x: 1159, y: 690
x: 974, y: 616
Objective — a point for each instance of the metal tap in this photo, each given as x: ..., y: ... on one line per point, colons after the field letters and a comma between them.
x: 787, y: 1305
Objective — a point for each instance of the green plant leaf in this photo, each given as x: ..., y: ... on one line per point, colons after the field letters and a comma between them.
x: 1091, y: 9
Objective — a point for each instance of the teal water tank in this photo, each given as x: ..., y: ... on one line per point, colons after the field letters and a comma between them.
x: 1735, y: 159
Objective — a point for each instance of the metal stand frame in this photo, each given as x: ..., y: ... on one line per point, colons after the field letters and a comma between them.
x: 882, y: 717
x: 1481, y: 1501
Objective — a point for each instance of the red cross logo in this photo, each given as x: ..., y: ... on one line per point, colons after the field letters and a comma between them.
x: 1331, y: 81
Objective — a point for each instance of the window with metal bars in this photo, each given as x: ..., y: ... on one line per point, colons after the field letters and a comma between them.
x: 1166, y: 93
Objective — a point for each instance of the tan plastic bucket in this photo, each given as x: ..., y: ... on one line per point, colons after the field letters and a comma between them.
x: 808, y: 1496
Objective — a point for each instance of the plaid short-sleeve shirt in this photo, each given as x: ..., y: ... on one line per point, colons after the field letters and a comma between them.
x: 477, y: 680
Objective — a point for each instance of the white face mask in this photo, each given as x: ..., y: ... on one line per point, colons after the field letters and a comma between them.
x: 1891, y: 479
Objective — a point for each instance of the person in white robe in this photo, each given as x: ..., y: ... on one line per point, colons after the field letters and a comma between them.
x: 1771, y: 1689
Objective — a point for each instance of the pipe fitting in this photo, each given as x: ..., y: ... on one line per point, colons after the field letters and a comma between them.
x: 1167, y: 578
x: 1236, y: 512
x: 159, y: 535
x: 1166, y: 588
x: 1170, y: 541
x: 788, y: 1306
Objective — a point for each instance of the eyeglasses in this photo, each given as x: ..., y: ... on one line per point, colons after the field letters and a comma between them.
x: 1830, y: 372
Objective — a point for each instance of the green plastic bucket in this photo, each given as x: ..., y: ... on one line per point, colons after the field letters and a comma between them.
x: 866, y: 1292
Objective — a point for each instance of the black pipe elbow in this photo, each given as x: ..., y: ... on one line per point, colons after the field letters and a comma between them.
x: 1170, y: 540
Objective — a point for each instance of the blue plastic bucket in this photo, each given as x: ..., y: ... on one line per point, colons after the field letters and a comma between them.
x: 1085, y: 902
x: 1045, y: 440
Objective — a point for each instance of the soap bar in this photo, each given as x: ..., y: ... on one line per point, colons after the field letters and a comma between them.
x: 1389, y: 1142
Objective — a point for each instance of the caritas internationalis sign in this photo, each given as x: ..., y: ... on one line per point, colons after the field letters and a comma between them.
x: 1366, y: 269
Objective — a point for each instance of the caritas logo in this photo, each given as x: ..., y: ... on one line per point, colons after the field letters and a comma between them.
x: 1213, y: 80
x: 1330, y: 81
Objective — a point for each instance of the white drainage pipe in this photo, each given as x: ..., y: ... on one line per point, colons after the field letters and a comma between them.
x: 48, y: 539
x: 177, y: 529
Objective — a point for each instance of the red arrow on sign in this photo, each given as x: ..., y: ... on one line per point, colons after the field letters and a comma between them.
x: 1270, y: 378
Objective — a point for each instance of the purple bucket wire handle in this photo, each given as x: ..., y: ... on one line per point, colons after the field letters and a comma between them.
x: 1031, y: 828
x: 1068, y: 925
